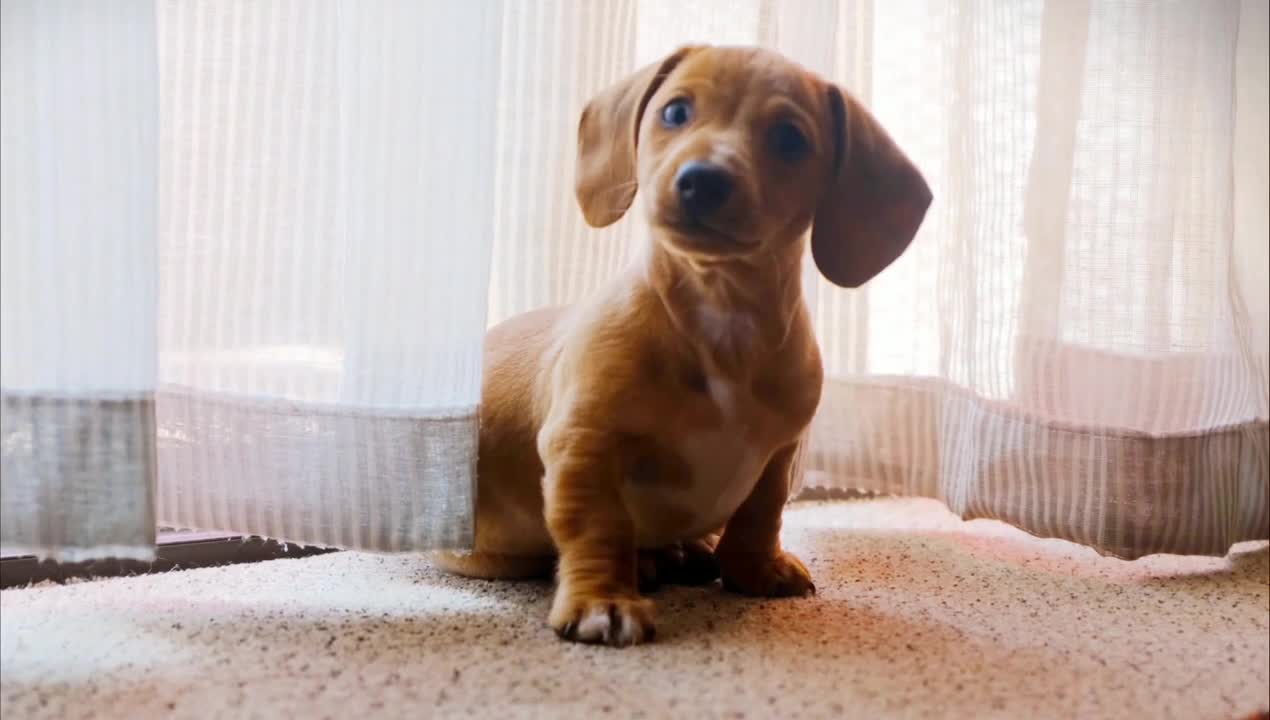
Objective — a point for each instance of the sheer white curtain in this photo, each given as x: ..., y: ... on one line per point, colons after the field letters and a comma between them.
x: 247, y: 244
x: 78, y: 212
x: 1076, y: 341
x: 274, y: 221
x: 327, y: 195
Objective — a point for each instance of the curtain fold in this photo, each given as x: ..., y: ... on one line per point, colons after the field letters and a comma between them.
x: 327, y: 218
x: 1076, y: 341
x: 1092, y: 372
x: 78, y: 213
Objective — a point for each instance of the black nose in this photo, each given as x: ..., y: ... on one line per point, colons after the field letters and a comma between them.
x: 703, y: 188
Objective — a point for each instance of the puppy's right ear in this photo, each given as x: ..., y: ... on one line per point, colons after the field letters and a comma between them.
x: 608, y: 134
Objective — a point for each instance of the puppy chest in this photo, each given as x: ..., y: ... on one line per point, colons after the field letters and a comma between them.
x: 690, y: 482
x: 725, y: 466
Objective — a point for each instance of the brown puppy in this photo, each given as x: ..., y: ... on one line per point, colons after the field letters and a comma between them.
x: 669, y: 406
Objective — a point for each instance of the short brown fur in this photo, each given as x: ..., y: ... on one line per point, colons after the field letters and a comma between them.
x: 670, y: 404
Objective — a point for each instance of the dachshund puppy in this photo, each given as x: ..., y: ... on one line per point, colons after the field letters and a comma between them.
x: 666, y: 410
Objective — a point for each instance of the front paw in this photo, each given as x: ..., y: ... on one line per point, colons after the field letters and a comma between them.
x: 618, y: 621
x: 779, y: 575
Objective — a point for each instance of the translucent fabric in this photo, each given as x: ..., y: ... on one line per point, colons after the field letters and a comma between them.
x: 249, y: 247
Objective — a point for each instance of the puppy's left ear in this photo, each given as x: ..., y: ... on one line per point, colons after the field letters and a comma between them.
x: 608, y: 133
x: 873, y: 203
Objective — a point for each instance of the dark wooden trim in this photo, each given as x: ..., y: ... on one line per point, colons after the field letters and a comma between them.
x: 175, y: 551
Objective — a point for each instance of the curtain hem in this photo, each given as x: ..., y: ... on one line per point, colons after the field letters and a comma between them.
x: 1124, y: 494
x: 285, y: 470
x: 78, y: 475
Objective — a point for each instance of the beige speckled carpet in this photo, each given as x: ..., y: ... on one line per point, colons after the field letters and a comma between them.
x: 918, y: 615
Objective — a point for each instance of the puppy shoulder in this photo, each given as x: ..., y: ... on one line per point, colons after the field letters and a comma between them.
x: 605, y: 355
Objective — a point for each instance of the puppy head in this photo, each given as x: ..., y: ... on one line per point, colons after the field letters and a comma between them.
x: 739, y: 150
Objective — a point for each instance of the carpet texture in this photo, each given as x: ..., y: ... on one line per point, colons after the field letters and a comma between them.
x: 918, y: 615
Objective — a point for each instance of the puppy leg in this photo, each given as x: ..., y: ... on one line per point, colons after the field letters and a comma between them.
x: 686, y: 563
x: 700, y: 564
x: 691, y: 562
x: 597, y: 599
x: 750, y: 556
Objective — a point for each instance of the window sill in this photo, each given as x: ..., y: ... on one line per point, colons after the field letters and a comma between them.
x: 176, y: 550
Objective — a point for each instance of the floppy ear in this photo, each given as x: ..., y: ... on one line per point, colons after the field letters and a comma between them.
x: 608, y: 133
x: 873, y: 203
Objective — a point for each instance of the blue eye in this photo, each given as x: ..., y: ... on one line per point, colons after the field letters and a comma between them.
x: 789, y: 142
x: 677, y: 113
